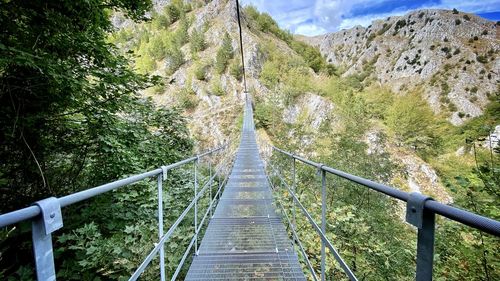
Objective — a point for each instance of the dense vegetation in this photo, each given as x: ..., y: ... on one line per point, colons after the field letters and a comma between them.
x: 367, y: 227
x: 72, y: 118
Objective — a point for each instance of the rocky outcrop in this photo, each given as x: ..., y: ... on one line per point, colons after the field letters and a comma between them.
x: 453, y: 57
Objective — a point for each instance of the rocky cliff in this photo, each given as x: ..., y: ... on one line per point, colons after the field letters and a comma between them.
x: 452, y: 56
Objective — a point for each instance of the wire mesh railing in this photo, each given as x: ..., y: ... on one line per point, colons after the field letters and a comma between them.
x: 420, y: 213
x: 46, y: 215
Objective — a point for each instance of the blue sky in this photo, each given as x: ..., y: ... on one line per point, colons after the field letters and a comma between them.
x: 314, y: 17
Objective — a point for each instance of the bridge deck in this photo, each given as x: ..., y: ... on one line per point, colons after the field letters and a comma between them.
x: 246, y: 239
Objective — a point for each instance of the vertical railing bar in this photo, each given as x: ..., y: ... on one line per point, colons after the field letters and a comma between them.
x: 425, y: 247
x: 210, y: 184
x: 295, y: 235
x: 183, y: 259
x: 195, y: 206
x: 295, y: 191
x: 317, y: 228
x: 323, y: 223
x: 160, y: 223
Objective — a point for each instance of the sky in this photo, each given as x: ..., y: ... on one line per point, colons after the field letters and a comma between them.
x: 314, y: 17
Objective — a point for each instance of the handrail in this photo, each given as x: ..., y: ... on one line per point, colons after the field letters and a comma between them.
x: 34, y: 210
x: 420, y: 212
x: 46, y: 214
x: 473, y: 220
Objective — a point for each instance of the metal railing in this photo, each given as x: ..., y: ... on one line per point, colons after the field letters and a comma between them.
x: 420, y: 212
x: 46, y: 214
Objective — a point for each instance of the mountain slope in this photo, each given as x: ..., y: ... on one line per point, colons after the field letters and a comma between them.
x: 352, y: 122
x: 452, y: 55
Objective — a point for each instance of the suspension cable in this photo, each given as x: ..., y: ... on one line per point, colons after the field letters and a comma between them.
x: 241, y: 46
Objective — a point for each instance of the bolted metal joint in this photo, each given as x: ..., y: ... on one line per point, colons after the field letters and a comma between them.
x: 51, y: 214
x: 164, y: 171
x: 320, y: 168
x: 415, y: 208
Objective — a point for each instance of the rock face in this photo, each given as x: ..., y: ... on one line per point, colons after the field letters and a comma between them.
x: 452, y: 56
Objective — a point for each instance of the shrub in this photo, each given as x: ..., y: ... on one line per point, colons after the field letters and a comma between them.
x: 197, y: 42
x: 458, y: 22
x: 187, y: 98
x: 400, y: 24
x: 466, y: 17
x: 482, y: 59
x: 485, y: 32
x: 411, y: 120
x: 455, y: 11
x: 200, y: 71
x: 236, y: 69
x: 181, y: 35
x: 216, y: 87
x: 174, y: 59
x: 310, y: 54
x: 384, y: 28
x: 224, y: 54
x: 172, y: 13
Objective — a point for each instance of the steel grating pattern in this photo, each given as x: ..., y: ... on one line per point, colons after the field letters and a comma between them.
x: 246, y: 239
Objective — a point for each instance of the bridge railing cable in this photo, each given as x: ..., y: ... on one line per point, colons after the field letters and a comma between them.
x: 420, y: 212
x: 46, y: 215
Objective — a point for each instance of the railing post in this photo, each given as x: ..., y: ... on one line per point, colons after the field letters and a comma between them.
x: 161, y: 176
x: 42, y: 227
x: 323, y: 221
x: 196, y: 206
x: 424, y: 220
x: 210, y: 205
x: 294, y: 191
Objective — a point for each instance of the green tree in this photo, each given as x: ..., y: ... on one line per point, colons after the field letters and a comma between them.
x: 224, y: 54
x: 197, y: 42
x: 72, y: 118
x: 411, y: 120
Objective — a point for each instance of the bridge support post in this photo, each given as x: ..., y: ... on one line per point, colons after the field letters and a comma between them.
x: 424, y: 220
x: 42, y: 227
x: 195, y: 206
x: 210, y: 205
x: 294, y: 224
x: 323, y: 222
x: 161, y: 176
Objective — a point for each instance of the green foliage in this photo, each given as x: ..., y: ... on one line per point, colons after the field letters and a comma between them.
x: 216, y: 87
x: 311, y: 55
x: 175, y: 58
x: 386, y: 27
x: 200, y: 70
x: 187, y: 98
x: 236, y: 69
x: 72, y: 118
x: 197, y: 42
x: 411, y: 120
x: 265, y: 23
x: 400, y: 24
x: 172, y: 13
x: 181, y: 35
x: 224, y: 54
x: 288, y: 74
x: 482, y: 59
x: 263, y: 115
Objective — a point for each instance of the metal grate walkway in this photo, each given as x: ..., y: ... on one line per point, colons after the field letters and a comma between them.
x: 246, y: 239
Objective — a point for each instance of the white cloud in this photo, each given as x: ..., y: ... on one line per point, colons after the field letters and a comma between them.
x: 310, y: 30
x: 310, y: 17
